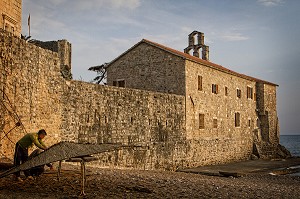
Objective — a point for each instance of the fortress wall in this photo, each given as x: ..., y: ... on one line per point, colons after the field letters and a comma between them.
x: 152, y: 124
x: 161, y: 130
x: 30, y: 77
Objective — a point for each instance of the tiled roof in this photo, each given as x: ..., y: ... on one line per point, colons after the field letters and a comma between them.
x: 194, y: 59
x: 204, y: 62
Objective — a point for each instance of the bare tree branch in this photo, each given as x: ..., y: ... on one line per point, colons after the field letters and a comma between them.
x: 101, y: 73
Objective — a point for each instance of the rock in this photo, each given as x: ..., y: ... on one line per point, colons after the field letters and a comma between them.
x: 254, y: 157
x: 230, y: 174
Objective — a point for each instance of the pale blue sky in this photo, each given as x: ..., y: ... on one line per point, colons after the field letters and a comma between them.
x: 259, y: 38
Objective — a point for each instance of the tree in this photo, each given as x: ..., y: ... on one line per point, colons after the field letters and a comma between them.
x: 101, y: 73
x: 26, y: 38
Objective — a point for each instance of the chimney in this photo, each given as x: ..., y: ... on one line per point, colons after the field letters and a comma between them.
x: 197, y: 46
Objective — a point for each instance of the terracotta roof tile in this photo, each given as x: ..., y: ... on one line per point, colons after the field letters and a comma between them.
x: 204, y: 62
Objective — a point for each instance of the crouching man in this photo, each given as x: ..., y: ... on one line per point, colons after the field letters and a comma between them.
x: 21, y: 150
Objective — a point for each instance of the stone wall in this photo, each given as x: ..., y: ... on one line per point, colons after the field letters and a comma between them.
x: 269, y: 124
x: 64, y: 50
x: 30, y: 77
x: 148, y: 68
x: 267, y: 110
x: 161, y: 130
x: 11, y: 16
x: 219, y: 140
x: 151, y: 124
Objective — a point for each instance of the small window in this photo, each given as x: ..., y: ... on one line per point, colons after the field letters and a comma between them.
x: 249, y: 92
x: 215, y: 123
x: 119, y: 83
x: 238, y: 93
x: 237, y: 119
x: 6, y: 27
x: 199, y: 83
x: 249, y: 122
x: 226, y: 91
x: 215, y: 88
x: 201, y: 121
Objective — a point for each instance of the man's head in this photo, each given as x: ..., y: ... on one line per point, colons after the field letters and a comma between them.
x: 42, y: 133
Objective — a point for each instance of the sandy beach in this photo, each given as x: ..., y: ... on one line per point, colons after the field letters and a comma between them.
x: 117, y: 183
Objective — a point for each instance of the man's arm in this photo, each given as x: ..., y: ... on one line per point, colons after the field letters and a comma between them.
x: 38, y: 143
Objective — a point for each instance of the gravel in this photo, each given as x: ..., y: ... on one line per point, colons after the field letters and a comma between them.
x: 117, y: 183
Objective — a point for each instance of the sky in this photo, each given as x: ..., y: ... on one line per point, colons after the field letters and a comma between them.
x: 259, y: 38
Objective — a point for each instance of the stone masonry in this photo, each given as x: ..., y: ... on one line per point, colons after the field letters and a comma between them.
x: 176, y: 110
x: 31, y: 78
x: 10, y: 16
x: 227, y: 114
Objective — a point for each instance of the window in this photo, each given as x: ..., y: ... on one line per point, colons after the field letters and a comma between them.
x: 238, y: 93
x: 199, y: 83
x: 215, y: 123
x: 6, y: 27
x: 215, y: 88
x: 237, y: 119
x: 257, y: 123
x: 119, y: 83
x: 249, y: 92
x: 201, y: 121
x: 249, y: 122
x: 226, y: 91
x: 131, y: 120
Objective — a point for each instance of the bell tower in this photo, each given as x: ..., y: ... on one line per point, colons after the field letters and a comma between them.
x: 196, y: 43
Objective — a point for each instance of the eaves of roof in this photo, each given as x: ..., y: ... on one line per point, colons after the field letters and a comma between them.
x: 194, y: 59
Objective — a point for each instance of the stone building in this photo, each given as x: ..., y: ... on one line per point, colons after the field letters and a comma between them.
x: 172, y: 110
x: 11, y: 16
x: 227, y: 114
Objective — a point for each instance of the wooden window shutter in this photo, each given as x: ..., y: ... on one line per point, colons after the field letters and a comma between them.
x: 237, y: 119
x: 215, y: 123
x: 201, y: 121
x: 199, y: 83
